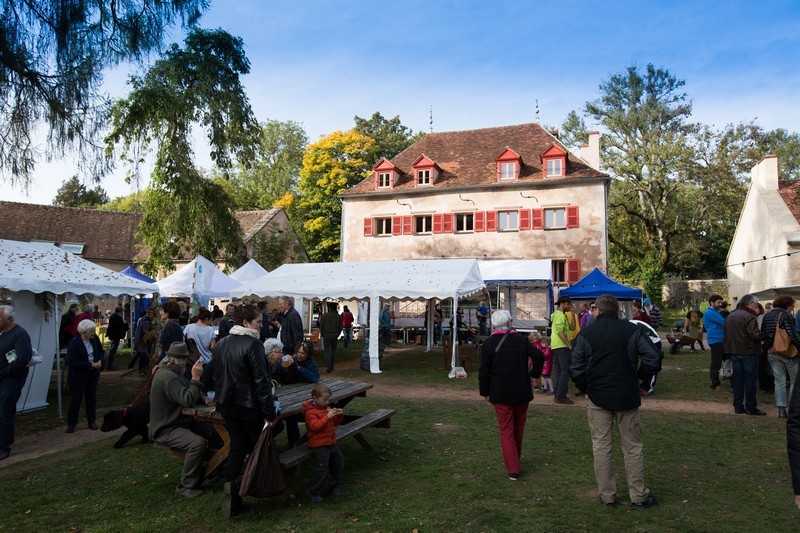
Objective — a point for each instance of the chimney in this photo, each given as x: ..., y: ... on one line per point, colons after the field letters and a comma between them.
x: 591, y: 152
x: 765, y: 173
x: 554, y: 133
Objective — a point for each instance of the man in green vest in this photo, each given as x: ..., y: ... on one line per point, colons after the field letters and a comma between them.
x: 562, y: 346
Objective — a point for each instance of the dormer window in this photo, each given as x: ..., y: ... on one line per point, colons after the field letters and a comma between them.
x: 508, y: 165
x: 554, y: 162
x: 385, y: 174
x: 554, y: 168
x: 426, y: 171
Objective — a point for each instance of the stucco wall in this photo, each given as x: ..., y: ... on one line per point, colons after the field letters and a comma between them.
x: 762, y: 232
x: 587, y: 242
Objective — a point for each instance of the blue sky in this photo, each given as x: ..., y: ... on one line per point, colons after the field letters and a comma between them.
x: 485, y: 63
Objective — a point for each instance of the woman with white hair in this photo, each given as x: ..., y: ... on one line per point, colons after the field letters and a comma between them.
x: 84, y: 359
x: 508, y: 361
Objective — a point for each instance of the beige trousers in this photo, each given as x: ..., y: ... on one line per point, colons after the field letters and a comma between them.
x: 601, y: 423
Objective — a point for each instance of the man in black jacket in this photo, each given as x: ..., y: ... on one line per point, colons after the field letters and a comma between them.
x: 291, y: 326
x: 604, y: 367
x: 117, y: 328
x: 12, y: 374
x: 244, y: 397
x: 793, y: 442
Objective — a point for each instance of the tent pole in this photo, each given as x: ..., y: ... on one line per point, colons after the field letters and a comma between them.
x: 454, y: 333
x: 58, y: 354
x: 374, y: 334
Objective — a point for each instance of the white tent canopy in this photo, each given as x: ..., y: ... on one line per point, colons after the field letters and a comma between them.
x: 30, y: 268
x: 200, y: 279
x: 511, y: 276
x: 248, y: 272
x: 373, y: 280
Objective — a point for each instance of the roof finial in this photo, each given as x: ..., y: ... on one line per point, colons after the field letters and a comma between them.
x: 537, y: 110
x: 431, y: 121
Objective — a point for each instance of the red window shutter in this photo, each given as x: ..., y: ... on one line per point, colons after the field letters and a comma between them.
x: 368, y: 227
x: 491, y: 220
x: 524, y: 219
x: 438, y: 223
x: 397, y: 225
x: 448, y: 223
x: 538, y: 218
x: 408, y: 227
x: 479, y: 221
x: 573, y: 270
x: 572, y: 216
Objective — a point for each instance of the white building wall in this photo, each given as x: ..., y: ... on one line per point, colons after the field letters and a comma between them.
x: 587, y: 242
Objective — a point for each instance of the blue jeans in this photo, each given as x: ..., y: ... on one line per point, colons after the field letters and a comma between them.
x: 10, y: 390
x: 562, y: 359
x: 745, y: 372
x: 781, y: 367
x: 348, y: 334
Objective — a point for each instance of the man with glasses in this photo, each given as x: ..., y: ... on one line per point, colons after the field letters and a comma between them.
x: 742, y: 340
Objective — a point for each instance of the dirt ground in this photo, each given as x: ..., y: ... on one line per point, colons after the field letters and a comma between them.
x: 56, y: 440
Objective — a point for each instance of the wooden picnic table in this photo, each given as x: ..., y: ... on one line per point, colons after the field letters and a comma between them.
x: 291, y: 397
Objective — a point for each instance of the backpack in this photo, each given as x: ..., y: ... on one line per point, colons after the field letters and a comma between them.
x: 782, y: 344
x: 194, y: 353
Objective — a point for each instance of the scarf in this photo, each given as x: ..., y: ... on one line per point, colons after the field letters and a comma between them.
x: 241, y: 330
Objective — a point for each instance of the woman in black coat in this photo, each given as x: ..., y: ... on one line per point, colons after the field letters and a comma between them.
x: 508, y: 361
x: 172, y: 331
x: 84, y: 360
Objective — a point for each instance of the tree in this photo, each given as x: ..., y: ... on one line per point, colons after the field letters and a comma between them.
x: 52, y: 58
x: 131, y: 203
x: 73, y: 193
x: 573, y: 131
x: 275, y: 249
x: 275, y: 170
x: 390, y: 136
x: 330, y: 166
x: 185, y: 213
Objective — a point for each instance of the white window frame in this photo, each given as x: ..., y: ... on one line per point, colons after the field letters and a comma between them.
x: 384, y: 180
x: 383, y: 226
x: 508, y: 171
x: 551, y: 214
x: 75, y: 248
x: 508, y: 221
x: 467, y: 219
x: 427, y: 224
x: 423, y: 176
x: 554, y: 172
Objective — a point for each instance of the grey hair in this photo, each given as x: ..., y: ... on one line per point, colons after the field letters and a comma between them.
x: 86, y: 325
x: 8, y: 312
x: 270, y: 345
x: 501, y: 318
x: 89, y: 308
x: 288, y: 299
x: 748, y: 299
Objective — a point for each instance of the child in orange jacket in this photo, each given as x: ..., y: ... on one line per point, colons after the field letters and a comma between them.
x: 321, y: 421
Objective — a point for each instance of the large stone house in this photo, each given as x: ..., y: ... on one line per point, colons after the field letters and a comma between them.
x: 764, y: 257
x: 109, y: 239
x: 512, y: 192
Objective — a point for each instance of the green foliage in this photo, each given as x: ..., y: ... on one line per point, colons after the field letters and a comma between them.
x: 183, y: 212
x: 131, y: 203
x: 330, y: 166
x: 390, y: 136
x: 52, y: 58
x: 275, y: 249
x: 573, y: 131
x: 73, y: 193
x: 275, y: 170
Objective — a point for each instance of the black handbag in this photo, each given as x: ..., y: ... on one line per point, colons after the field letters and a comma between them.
x: 262, y: 475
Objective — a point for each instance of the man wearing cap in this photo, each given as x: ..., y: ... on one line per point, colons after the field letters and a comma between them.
x: 561, y: 345
x: 171, y: 392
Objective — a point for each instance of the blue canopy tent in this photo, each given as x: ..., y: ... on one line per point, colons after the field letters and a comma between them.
x: 133, y: 273
x: 596, y: 284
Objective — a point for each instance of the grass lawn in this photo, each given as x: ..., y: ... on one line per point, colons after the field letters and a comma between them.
x: 439, y: 468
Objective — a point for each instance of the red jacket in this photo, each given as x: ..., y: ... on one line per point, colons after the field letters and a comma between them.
x: 321, y: 429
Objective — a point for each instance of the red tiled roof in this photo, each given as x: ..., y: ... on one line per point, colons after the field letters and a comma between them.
x: 790, y: 192
x: 468, y: 158
x: 107, y: 235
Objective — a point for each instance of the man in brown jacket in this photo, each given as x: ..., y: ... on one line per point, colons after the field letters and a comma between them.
x: 742, y: 342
